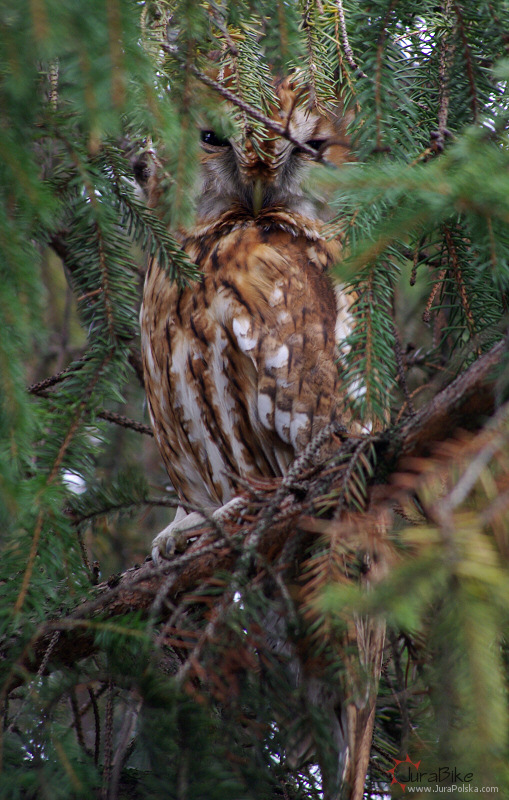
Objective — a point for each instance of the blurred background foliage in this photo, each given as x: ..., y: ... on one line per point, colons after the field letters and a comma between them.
x: 423, y: 208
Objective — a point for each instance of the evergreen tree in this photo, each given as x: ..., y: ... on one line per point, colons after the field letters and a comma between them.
x: 164, y: 685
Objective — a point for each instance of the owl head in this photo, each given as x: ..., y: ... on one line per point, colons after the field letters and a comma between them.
x: 254, y: 168
x: 257, y: 169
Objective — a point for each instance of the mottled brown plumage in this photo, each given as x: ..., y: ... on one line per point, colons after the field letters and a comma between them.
x: 242, y: 368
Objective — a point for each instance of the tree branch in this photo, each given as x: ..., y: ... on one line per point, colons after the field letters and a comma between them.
x: 465, y: 403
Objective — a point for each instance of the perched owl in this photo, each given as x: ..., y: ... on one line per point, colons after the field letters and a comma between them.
x: 241, y: 369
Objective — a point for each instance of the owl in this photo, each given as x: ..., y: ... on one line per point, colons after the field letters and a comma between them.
x: 244, y: 367
x: 241, y: 368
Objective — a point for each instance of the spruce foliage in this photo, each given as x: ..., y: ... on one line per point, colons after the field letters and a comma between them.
x: 197, y: 705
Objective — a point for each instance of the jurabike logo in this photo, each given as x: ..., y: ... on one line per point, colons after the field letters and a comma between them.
x: 405, y: 775
x: 392, y: 771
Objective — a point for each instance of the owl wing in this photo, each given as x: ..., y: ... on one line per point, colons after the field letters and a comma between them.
x: 284, y: 321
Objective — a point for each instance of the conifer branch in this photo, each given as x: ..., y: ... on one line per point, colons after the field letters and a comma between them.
x: 77, y: 719
x: 145, y: 227
x: 75, y: 422
x: 105, y: 288
x: 466, y: 402
x: 307, y: 24
x: 380, y: 148
x: 41, y: 389
x: 504, y: 35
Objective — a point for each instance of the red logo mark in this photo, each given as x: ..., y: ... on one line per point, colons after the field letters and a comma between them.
x: 393, y: 769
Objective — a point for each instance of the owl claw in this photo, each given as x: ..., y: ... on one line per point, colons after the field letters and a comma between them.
x: 173, y: 539
x: 234, y: 508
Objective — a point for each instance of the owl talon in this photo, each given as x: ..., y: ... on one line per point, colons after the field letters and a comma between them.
x: 174, y: 538
x: 234, y: 508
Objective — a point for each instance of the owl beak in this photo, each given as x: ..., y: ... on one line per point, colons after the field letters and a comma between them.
x: 258, y: 190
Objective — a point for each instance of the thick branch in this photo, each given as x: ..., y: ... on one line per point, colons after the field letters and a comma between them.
x: 465, y: 403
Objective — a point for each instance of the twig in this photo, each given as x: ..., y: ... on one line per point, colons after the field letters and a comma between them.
x: 400, y: 696
x: 108, y: 743
x: 460, y: 283
x: 426, y: 314
x: 255, y: 113
x: 40, y: 389
x: 40, y: 672
x: 464, y: 402
x: 207, y: 634
x: 345, y: 480
x: 77, y: 719
x: 214, y: 12
x: 125, y: 735
x: 134, y: 359
x: 418, y: 250
x: 307, y: 26
x: 445, y: 60
x: 401, y: 370
x: 502, y: 33
x: 125, y: 422
x: 468, y: 60
x: 84, y: 556
x: 471, y: 474
x: 171, y: 578
x: 53, y: 74
x: 47, y: 383
x: 346, y: 44
x: 88, y: 295
x: 97, y: 722
x: 105, y: 281
x: 298, y: 465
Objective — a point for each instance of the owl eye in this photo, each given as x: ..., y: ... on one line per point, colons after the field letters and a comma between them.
x: 316, y: 144
x: 209, y: 137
